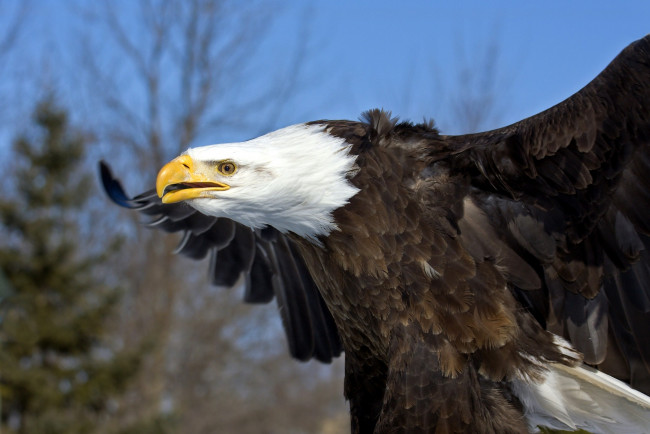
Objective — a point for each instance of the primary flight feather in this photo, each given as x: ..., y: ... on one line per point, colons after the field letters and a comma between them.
x: 477, y: 283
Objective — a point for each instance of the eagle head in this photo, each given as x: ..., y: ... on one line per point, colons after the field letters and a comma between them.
x: 291, y: 179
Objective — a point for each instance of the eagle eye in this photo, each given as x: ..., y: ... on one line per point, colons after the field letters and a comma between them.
x: 227, y: 168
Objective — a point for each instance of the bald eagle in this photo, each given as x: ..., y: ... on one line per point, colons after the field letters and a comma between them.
x: 489, y: 282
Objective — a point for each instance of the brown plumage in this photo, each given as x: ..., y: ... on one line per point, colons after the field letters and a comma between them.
x: 460, y: 255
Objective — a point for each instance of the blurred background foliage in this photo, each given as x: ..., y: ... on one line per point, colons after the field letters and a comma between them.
x: 102, y: 328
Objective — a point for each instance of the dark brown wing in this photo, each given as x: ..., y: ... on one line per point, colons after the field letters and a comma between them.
x: 566, y: 193
x: 267, y: 259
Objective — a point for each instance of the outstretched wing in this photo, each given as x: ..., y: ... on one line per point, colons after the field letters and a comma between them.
x: 562, y: 201
x: 268, y: 260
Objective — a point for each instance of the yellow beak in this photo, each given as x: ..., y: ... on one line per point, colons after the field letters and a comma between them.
x: 177, y: 181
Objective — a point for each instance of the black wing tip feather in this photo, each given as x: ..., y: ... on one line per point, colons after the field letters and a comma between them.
x: 112, y: 187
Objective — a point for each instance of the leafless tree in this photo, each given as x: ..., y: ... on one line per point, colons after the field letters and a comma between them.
x: 9, y: 34
x: 473, y: 96
x: 475, y: 105
x: 177, y: 71
x: 12, y: 25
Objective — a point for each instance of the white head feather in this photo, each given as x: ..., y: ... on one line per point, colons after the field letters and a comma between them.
x: 291, y: 179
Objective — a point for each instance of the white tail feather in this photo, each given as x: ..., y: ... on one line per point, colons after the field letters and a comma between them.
x: 581, y: 397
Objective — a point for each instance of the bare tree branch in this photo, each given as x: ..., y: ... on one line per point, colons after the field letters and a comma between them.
x: 12, y: 25
x: 473, y: 95
x: 9, y: 35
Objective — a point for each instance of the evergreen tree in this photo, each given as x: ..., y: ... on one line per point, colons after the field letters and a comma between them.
x: 57, y: 373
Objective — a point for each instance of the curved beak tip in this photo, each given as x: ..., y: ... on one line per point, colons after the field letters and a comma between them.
x: 176, y: 171
x: 191, y: 185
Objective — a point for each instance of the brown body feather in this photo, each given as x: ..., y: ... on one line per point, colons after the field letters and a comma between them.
x: 440, y: 325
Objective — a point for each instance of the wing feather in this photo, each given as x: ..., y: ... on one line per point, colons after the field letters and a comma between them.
x: 569, y: 190
x: 266, y: 258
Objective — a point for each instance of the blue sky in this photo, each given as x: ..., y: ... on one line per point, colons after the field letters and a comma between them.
x: 402, y: 56
x: 384, y: 50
